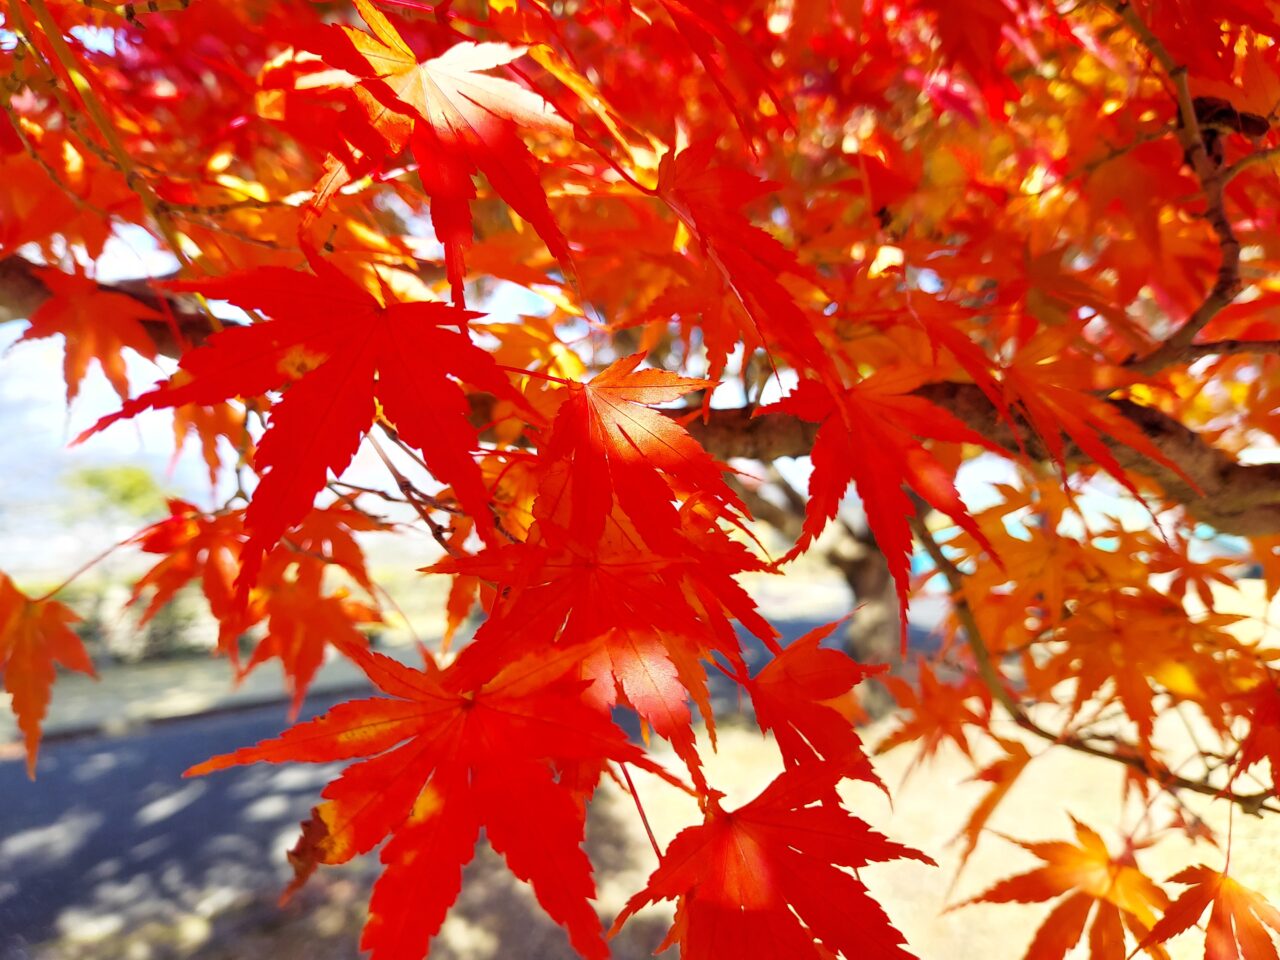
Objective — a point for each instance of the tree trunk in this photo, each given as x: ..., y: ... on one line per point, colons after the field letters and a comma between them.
x: 874, y: 633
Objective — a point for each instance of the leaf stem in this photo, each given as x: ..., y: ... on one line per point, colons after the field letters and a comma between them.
x: 537, y: 374
x: 631, y: 787
x: 414, y: 498
x: 82, y: 569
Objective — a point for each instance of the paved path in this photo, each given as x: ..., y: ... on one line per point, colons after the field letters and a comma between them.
x: 110, y: 839
x: 111, y: 835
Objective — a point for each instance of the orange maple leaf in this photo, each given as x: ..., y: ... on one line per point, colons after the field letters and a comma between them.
x: 1113, y: 889
x: 1055, y: 386
x: 1262, y: 706
x: 221, y: 421
x: 302, y: 620
x: 1237, y: 927
x: 1002, y: 774
x: 98, y: 324
x: 464, y: 121
x: 33, y: 637
x: 940, y: 711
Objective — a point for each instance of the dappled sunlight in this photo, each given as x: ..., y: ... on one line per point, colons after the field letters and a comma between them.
x: 162, y: 868
x: 165, y: 867
x: 95, y: 766
x: 153, y: 850
x: 168, y: 805
x: 54, y: 843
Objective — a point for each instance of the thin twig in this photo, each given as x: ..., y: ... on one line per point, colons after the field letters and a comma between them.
x: 82, y: 570
x: 352, y: 488
x: 101, y: 119
x: 1258, y: 156
x: 631, y: 787
x: 434, y: 502
x: 1212, y: 179
x: 415, y: 499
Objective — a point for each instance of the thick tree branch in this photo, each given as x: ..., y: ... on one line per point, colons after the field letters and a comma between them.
x: 22, y: 292
x: 1228, y: 348
x: 1121, y: 752
x: 1231, y: 497
x: 736, y: 433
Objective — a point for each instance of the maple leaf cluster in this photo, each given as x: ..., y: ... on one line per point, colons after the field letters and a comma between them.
x: 565, y: 270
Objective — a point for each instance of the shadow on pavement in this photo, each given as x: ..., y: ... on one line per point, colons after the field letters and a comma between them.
x: 111, y: 853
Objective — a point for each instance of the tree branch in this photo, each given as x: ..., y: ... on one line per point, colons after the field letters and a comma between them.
x: 736, y: 433
x: 1258, y: 156
x: 1232, y: 497
x: 1228, y: 348
x: 1213, y: 180
x: 22, y: 292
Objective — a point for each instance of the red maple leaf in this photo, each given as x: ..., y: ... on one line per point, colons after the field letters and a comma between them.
x: 606, y: 443
x: 639, y: 622
x: 721, y: 49
x: 444, y: 760
x: 463, y: 122
x: 341, y: 352
x: 302, y: 620
x: 764, y: 880
x: 708, y: 197
x: 791, y: 695
x: 194, y: 545
x: 871, y: 436
x: 302, y: 624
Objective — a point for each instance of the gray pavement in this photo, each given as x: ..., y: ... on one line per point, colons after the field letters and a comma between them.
x: 110, y: 837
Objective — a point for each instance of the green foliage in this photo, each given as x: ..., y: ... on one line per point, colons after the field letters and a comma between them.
x: 125, y: 490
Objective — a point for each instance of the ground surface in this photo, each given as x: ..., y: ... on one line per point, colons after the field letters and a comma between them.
x: 111, y: 855
x: 193, y: 873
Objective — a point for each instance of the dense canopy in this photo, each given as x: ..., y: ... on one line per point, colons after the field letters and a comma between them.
x: 588, y: 267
